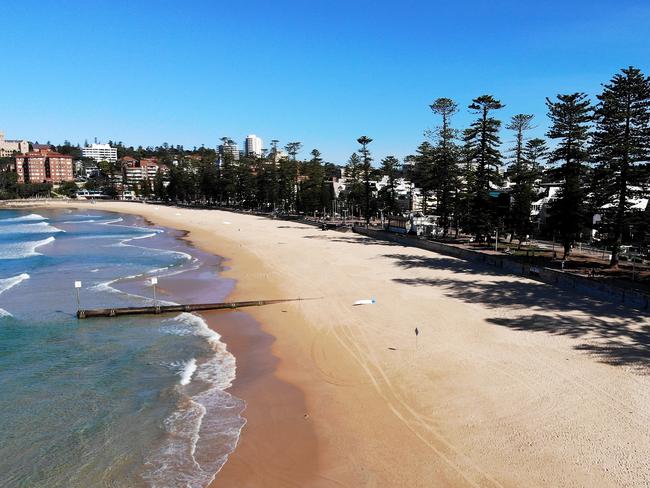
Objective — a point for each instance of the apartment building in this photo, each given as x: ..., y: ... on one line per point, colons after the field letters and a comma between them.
x: 100, y: 152
x: 253, y: 146
x: 44, y: 167
x: 136, y: 172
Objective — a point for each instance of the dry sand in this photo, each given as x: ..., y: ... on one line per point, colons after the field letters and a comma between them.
x: 513, y: 383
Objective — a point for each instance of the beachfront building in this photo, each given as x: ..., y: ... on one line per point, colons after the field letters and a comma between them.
x: 44, y: 167
x: 408, y: 197
x: 229, y: 149
x: 100, y: 152
x: 9, y: 147
x: 145, y: 170
x: 253, y: 146
x: 89, y: 170
x: 539, y: 208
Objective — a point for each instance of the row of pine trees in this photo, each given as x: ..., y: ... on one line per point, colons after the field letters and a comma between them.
x: 597, y: 150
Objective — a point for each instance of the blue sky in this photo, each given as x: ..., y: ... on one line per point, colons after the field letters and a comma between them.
x: 320, y: 72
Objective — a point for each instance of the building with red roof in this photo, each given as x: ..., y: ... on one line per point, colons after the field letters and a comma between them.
x: 44, y: 167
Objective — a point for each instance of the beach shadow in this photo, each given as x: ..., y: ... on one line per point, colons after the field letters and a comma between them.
x: 441, y: 262
x: 611, y: 333
x: 355, y: 239
x: 618, y: 344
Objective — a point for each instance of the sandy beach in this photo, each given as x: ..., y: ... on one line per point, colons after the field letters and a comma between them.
x: 512, y: 383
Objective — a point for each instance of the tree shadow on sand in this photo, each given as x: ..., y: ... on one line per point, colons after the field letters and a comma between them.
x: 611, y: 333
x: 441, y: 262
x: 353, y: 239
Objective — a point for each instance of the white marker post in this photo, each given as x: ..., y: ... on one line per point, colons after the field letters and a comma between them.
x: 154, y: 282
x: 77, y: 285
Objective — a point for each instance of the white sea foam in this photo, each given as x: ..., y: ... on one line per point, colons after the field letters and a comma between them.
x: 205, y: 428
x: 30, y: 228
x: 88, y: 221
x: 19, y: 250
x: 24, y: 218
x: 188, y: 371
x: 125, y: 243
x: 145, y: 236
x: 114, y: 221
x: 107, y: 286
x: 150, y: 233
x: 7, y: 283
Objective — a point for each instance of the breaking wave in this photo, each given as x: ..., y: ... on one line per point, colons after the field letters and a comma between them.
x: 205, y: 428
x: 19, y: 250
x: 24, y: 218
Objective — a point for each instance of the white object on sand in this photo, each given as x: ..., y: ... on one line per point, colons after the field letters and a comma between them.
x: 226, y: 222
x: 370, y: 301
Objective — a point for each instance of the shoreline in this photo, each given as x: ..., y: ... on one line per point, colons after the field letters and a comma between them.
x: 256, y: 381
x: 514, y: 383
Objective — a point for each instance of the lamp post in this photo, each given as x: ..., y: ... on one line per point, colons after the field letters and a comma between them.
x: 154, y: 282
x: 77, y: 285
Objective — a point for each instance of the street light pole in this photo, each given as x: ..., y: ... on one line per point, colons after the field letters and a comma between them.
x: 154, y: 282
x: 77, y: 285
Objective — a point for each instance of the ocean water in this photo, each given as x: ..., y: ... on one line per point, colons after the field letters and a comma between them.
x: 119, y: 402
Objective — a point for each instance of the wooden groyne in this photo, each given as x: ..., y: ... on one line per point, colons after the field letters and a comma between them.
x: 194, y: 307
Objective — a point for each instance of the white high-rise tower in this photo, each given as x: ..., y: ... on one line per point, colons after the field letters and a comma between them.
x: 253, y: 146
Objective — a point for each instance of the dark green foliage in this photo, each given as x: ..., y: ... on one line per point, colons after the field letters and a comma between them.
x: 206, y: 175
x: 484, y: 159
x: 287, y: 180
x: 8, y: 183
x: 227, y: 177
x: 570, y: 118
x: 313, y: 195
x: 523, y: 172
x: 621, y: 150
x: 182, y: 183
x: 159, y: 186
x: 68, y: 148
x: 445, y: 157
x: 366, y: 174
x: 422, y: 172
x: 30, y: 190
x: 245, y: 182
x: 387, y: 196
x: 293, y: 148
x: 354, y: 189
x: 68, y: 189
x: 268, y: 185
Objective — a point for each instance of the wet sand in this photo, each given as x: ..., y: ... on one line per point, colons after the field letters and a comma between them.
x: 513, y: 383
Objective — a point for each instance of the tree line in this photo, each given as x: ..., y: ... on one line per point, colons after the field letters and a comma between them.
x: 597, y: 152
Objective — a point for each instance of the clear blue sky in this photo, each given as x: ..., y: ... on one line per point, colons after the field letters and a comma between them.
x: 320, y: 72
